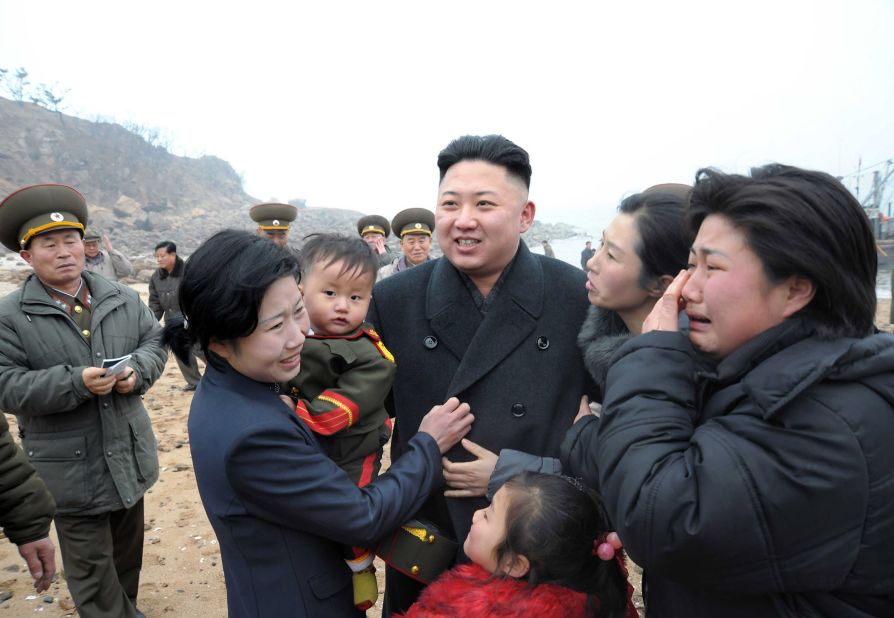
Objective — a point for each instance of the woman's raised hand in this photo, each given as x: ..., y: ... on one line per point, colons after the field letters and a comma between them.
x: 447, y: 423
x: 665, y: 315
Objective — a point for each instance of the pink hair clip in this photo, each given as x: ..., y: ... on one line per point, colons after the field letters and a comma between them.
x: 605, y: 546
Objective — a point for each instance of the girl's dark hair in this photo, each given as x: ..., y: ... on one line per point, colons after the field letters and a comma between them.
x: 355, y: 254
x: 167, y: 245
x: 801, y: 223
x: 223, y: 285
x: 663, y: 246
x: 553, y: 521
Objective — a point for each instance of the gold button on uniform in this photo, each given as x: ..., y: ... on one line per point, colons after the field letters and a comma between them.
x: 85, y: 332
x: 414, y: 570
x: 78, y: 309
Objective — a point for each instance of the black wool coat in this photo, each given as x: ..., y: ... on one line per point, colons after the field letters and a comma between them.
x: 520, y: 370
x: 763, y: 486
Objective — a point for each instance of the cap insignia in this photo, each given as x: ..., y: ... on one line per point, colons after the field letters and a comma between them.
x: 56, y: 216
x: 276, y: 222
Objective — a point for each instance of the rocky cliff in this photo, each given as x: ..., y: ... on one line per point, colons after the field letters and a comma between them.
x: 141, y: 194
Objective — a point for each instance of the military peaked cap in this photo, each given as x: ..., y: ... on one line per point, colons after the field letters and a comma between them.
x: 674, y: 188
x: 273, y: 216
x: 413, y: 221
x: 373, y: 223
x: 92, y: 235
x: 38, y: 209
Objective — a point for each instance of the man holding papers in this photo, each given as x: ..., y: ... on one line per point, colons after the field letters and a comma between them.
x: 82, y: 422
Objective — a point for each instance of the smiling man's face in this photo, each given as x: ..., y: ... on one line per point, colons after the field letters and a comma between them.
x: 480, y: 216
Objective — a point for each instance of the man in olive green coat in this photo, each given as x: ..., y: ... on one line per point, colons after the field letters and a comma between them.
x: 83, y: 428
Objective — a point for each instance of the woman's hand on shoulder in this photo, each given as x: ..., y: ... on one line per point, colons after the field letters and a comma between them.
x: 447, y: 423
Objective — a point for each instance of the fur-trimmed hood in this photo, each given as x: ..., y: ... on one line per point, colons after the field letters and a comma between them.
x: 601, y: 334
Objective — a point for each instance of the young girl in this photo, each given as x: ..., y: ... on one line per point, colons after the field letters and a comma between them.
x: 540, y: 549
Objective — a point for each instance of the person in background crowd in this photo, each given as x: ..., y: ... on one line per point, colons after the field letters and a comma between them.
x: 107, y: 262
x: 84, y: 430
x: 493, y: 324
x: 414, y: 227
x: 586, y: 254
x: 548, y: 249
x: 748, y: 466
x: 543, y: 548
x: 26, y: 510
x: 280, y: 507
x: 274, y: 221
x: 375, y: 229
x: 164, y: 300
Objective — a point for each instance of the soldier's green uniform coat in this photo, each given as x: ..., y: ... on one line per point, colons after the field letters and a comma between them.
x: 96, y: 454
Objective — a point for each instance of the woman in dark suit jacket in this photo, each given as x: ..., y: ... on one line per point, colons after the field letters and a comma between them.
x: 280, y: 507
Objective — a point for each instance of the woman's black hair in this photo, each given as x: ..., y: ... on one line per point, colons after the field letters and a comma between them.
x: 354, y: 253
x: 553, y: 521
x: 663, y: 247
x: 167, y: 245
x: 800, y: 223
x: 224, y: 283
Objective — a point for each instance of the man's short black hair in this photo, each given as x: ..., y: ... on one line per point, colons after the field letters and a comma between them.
x: 167, y: 245
x: 494, y: 149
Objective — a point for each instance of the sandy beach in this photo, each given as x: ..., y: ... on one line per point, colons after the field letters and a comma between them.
x: 182, y: 573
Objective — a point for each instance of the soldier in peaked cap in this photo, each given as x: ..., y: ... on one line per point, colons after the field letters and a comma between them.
x: 273, y: 221
x: 414, y: 228
x: 374, y: 229
x: 85, y: 432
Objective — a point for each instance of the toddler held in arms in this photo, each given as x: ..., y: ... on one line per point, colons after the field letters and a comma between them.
x: 542, y: 548
x: 346, y: 372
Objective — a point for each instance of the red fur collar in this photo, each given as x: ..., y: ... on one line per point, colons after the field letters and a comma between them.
x: 469, y: 590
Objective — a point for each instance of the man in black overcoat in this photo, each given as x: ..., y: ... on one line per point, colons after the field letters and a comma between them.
x: 491, y: 323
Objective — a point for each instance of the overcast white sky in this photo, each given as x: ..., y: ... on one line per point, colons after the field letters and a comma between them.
x: 347, y: 104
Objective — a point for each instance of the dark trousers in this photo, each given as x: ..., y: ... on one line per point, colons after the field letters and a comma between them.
x: 400, y: 592
x: 102, y: 555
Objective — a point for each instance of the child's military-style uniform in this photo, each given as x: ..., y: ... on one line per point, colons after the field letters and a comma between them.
x: 340, y: 392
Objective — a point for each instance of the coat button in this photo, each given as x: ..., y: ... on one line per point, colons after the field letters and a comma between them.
x: 85, y: 332
x: 78, y: 453
x: 430, y: 342
x: 518, y: 410
x: 109, y: 453
x: 30, y: 453
x: 414, y: 569
x: 542, y: 342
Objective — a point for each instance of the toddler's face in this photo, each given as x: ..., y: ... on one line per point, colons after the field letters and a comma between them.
x: 488, y: 532
x: 336, y: 301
